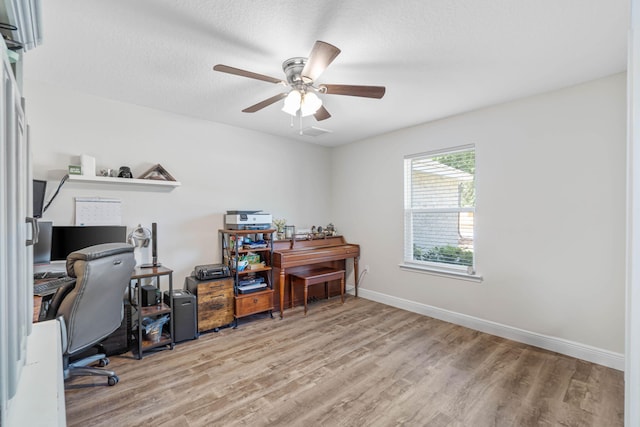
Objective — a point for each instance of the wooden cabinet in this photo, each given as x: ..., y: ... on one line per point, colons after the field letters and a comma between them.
x: 238, y: 246
x: 256, y: 302
x: 215, y: 302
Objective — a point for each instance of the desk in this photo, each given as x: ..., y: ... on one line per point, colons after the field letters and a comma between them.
x: 155, y: 310
x: 37, y: 304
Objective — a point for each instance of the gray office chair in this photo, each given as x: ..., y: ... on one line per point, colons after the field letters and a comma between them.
x: 93, y: 308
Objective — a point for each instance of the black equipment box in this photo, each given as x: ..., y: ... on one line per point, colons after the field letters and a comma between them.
x: 185, y: 324
x: 211, y: 271
x: 150, y: 296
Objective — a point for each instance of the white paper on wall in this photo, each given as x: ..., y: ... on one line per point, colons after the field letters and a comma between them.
x: 98, y: 211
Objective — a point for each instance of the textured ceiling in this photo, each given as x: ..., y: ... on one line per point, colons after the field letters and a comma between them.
x: 436, y: 58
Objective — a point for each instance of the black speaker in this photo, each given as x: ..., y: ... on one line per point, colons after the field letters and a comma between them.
x: 150, y: 296
x: 185, y: 324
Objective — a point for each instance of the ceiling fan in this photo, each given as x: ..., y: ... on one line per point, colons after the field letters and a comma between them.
x: 301, y: 76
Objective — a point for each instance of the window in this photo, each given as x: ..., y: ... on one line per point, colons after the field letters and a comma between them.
x: 439, y: 207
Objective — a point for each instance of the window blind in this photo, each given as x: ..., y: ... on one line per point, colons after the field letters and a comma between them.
x: 439, y: 208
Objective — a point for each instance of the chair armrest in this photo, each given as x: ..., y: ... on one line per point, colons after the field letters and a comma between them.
x: 58, y: 297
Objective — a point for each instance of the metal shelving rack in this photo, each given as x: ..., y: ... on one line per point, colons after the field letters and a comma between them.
x: 255, y: 302
x: 154, y: 311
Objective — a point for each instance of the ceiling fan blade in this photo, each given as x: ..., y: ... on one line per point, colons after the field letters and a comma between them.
x: 245, y: 73
x: 351, y: 90
x: 321, y: 114
x: 265, y: 103
x: 319, y: 59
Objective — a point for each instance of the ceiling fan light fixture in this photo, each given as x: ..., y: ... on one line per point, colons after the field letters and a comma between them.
x: 301, y: 76
x: 292, y: 102
x: 310, y: 104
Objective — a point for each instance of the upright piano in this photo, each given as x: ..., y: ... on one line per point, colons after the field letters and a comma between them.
x: 295, y: 255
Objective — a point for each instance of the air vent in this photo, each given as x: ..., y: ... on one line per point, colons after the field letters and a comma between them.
x: 313, y: 131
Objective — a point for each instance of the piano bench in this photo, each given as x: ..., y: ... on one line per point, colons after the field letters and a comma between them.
x: 313, y: 277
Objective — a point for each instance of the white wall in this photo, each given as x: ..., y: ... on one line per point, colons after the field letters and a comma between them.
x: 550, y: 197
x: 220, y: 167
x: 550, y: 233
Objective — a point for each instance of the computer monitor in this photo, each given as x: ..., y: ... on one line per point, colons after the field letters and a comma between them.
x: 39, y: 189
x: 67, y: 239
x: 42, y: 249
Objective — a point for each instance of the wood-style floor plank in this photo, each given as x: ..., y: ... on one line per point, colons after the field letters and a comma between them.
x: 361, y: 363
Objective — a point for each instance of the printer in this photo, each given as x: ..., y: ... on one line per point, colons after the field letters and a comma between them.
x: 211, y: 271
x: 247, y: 220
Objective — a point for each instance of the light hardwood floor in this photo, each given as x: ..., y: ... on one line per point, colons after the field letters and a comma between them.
x: 357, y: 364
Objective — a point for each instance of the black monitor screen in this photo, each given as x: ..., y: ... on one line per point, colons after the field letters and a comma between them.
x: 42, y: 249
x: 66, y: 239
x: 39, y: 188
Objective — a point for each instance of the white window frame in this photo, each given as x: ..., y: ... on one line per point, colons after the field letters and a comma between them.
x: 437, y: 268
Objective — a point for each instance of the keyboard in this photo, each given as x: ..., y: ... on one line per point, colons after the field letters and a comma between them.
x: 48, y: 275
x: 51, y: 286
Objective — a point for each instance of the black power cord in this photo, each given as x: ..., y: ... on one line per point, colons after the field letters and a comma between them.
x: 62, y: 181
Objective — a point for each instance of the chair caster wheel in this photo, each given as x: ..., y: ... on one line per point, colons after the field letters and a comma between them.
x: 103, y: 362
x: 113, y: 380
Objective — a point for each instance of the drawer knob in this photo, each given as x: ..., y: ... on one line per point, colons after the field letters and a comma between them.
x: 255, y: 300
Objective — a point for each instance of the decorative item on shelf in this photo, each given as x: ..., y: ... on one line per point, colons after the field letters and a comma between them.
x: 330, y: 230
x: 279, y: 224
x: 75, y: 170
x: 317, y: 233
x: 125, y: 172
x: 302, y: 234
x: 108, y: 172
x: 157, y: 172
x: 88, y: 164
x: 289, y: 231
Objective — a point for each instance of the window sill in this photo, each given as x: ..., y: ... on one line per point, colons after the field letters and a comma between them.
x: 441, y: 272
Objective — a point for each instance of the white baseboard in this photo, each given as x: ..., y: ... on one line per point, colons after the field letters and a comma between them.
x: 559, y: 345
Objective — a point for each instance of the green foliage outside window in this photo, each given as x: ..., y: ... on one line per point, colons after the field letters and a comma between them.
x: 444, y: 254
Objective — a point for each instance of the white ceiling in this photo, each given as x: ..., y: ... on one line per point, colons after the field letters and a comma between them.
x: 436, y: 58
